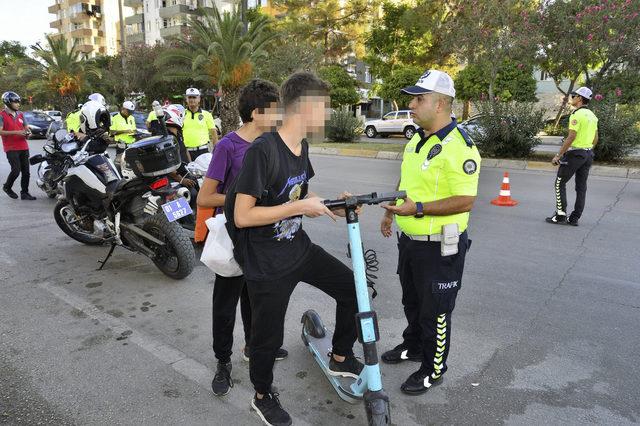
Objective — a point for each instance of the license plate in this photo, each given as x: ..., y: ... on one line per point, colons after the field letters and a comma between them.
x: 176, y: 209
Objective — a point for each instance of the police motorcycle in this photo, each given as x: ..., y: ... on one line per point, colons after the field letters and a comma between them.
x: 99, y: 207
x: 53, y: 165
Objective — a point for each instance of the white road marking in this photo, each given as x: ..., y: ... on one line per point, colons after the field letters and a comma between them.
x: 173, y: 357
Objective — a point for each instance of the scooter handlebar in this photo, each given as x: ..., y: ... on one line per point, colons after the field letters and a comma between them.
x: 372, y: 198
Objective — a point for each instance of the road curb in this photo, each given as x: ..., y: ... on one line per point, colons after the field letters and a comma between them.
x: 596, y: 170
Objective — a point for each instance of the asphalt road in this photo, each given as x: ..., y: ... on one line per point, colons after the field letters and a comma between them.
x: 545, y: 330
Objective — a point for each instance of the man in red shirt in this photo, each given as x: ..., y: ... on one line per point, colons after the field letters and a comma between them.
x: 14, y: 132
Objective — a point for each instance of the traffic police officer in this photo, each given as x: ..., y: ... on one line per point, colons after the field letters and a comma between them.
x: 123, y: 126
x: 439, y: 172
x: 73, y: 120
x: 575, y: 157
x: 199, y: 128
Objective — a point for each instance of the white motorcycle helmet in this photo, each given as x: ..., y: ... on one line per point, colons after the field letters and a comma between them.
x: 174, y: 115
x: 94, y: 117
x: 125, y: 171
x: 97, y: 97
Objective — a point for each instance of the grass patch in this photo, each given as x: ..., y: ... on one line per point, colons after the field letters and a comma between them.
x: 369, y: 146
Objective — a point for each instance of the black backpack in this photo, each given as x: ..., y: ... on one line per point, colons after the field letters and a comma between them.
x: 273, y: 166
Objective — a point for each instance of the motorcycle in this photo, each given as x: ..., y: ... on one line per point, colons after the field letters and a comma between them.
x: 100, y: 207
x: 53, y: 165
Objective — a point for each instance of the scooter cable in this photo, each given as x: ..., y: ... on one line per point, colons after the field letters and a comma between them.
x: 371, y: 265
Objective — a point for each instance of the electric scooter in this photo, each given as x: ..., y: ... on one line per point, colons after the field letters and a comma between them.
x: 317, y: 338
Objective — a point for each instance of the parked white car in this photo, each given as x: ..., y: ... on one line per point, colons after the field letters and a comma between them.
x: 392, y: 123
x: 56, y: 115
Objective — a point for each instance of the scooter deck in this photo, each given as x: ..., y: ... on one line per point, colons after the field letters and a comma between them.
x: 320, y: 349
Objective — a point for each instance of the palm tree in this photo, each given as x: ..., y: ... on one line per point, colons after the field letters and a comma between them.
x: 219, y: 53
x: 57, y: 70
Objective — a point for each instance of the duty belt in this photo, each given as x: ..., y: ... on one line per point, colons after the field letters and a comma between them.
x: 579, y: 149
x: 434, y: 237
x: 200, y: 148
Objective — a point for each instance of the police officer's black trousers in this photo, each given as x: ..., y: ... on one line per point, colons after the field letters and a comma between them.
x: 226, y: 292
x: 430, y: 284
x: 19, y: 162
x: 574, y: 162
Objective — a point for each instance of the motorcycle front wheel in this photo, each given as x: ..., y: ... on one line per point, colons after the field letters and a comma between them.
x: 77, y: 227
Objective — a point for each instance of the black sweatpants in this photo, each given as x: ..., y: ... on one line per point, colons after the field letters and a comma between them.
x: 430, y: 284
x: 269, y: 301
x: 578, y: 162
x: 226, y: 292
x: 19, y: 162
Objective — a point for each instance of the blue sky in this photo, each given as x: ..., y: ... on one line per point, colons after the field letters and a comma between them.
x: 25, y: 21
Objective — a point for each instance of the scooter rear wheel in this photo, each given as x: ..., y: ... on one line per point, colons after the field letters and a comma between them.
x: 312, y: 324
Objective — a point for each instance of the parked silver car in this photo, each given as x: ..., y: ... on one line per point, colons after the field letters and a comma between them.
x: 392, y: 123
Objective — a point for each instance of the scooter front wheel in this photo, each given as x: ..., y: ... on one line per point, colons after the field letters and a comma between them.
x: 377, y: 407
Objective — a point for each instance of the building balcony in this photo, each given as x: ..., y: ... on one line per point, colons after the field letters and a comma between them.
x: 86, y: 48
x: 134, y: 19
x: 54, y: 8
x: 175, y: 31
x: 175, y: 10
x: 56, y: 24
x: 133, y: 3
x: 135, y: 38
x: 86, y: 32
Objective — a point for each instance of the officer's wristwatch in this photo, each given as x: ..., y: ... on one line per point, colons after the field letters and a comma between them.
x: 419, y: 210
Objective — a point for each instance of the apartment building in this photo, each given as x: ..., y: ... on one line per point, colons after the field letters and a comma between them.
x: 94, y: 25
x: 156, y: 20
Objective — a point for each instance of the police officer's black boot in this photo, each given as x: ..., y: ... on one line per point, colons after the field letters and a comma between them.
x: 401, y: 353
x: 573, y: 221
x: 558, y: 219
x: 420, y: 382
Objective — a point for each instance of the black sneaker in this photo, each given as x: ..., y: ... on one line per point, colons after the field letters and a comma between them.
x: 26, y: 196
x: 10, y: 192
x: 558, y: 219
x: 280, y: 354
x: 350, y: 367
x: 222, y: 382
x: 400, y: 353
x: 420, y: 382
x: 572, y: 221
x: 270, y: 410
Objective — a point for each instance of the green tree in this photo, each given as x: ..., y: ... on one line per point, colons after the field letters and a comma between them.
x: 285, y: 58
x: 590, y: 39
x: 11, y: 54
x: 334, y: 25
x: 11, y: 51
x: 402, y: 76
x: 217, y: 52
x: 514, y: 82
x: 58, y: 71
x: 408, y: 34
x: 486, y: 33
x: 343, y: 86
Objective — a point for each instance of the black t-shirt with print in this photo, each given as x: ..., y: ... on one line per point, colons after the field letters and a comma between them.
x: 272, y: 251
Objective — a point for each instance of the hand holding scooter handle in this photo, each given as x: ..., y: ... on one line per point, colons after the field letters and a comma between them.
x: 358, y: 200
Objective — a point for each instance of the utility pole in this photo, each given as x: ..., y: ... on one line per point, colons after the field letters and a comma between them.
x: 123, y: 43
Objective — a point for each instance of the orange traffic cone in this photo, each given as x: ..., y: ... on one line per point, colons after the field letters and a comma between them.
x: 504, y: 198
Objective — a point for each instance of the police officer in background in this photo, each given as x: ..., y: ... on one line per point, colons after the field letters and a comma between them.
x: 199, y: 128
x: 123, y: 127
x: 575, y: 157
x: 73, y: 120
x: 439, y: 172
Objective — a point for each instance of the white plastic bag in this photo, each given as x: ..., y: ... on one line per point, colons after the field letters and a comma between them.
x: 218, y: 249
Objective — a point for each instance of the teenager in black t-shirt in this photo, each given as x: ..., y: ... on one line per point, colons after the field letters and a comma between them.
x: 277, y: 253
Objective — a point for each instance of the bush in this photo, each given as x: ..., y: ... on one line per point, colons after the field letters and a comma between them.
x: 507, y: 129
x: 343, y: 127
x: 618, y: 133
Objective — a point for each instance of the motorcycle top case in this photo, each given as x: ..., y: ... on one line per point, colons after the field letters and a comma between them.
x: 153, y: 156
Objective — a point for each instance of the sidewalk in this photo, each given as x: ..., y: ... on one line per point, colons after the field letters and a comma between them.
x: 596, y: 170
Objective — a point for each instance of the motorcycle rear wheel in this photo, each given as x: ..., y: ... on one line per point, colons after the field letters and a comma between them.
x: 177, y: 258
